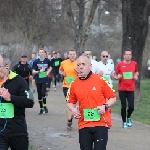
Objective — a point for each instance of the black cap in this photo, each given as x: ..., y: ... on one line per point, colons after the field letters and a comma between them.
x: 23, y: 55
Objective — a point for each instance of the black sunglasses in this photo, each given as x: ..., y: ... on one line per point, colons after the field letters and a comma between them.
x: 23, y: 56
x: 105, y: 56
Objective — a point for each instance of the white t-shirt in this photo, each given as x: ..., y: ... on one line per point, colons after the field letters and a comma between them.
x: 111, y: 62
x: 107, y: 69
x: 95, y: 66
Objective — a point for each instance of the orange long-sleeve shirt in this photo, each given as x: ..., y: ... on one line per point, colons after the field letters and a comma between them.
x: 89, y: 94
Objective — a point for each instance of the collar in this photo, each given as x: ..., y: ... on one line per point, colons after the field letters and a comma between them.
x: 85, y: 78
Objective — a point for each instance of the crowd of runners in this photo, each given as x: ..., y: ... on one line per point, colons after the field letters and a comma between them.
x: 87, y: 85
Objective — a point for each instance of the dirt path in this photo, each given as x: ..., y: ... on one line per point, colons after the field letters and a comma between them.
x: 48, y: 132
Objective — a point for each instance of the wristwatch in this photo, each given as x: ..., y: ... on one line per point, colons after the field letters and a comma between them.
x: 106, y: 106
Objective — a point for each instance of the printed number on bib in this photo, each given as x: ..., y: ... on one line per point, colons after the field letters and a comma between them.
x: 91, y: 115
x: 56, y: 63
x: 69, y: 79
x: 42, y: 75
x: 6, y: 110
x: 127, y: 75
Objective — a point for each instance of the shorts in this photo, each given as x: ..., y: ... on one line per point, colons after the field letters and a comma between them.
x: 48, y: 84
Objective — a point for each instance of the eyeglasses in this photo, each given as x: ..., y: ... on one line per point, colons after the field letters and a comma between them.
x: 105, y: 56
x: 2, y: 66
x: 24, y: 57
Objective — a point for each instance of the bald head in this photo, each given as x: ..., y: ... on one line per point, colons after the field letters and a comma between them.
x: 104, y: 56
x: 84, y: 65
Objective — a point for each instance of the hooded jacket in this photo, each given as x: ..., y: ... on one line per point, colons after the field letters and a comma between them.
x: 21, y: 98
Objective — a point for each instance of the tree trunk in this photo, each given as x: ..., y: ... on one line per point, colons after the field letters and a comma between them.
x: 135, y: 29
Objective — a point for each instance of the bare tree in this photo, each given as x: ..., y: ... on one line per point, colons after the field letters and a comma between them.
x: 81, y: 14
x: 135, y: 15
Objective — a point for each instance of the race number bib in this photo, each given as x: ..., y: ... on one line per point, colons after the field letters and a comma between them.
x: 127, y: 75
x: 42, y: 74
x: 91, y: 115
x: 69, y: 79
x: 56, y: 63
x: 6, y: 110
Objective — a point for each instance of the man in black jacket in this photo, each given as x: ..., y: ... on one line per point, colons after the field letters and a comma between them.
x: 15, y: 96
x: 23, y: 68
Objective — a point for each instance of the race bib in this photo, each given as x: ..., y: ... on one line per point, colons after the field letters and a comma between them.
x: 106, y: 77
x: 127, y: 75
x: 6, y: 110
x: 69, y: 79
x: 42, y: 74
x: 91, y: 115
x: 56, y: 63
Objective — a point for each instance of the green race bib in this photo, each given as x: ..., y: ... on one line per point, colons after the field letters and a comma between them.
x: 91, y: 115
x: 127, y: 75
x: 106, y: 77
x: 69, y: 79
x: 42, y: 75
x: 56, y: 63
x: 6, y: 110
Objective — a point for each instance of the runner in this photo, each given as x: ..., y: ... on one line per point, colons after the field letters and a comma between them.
x: 68, y: 70
x: 23, y: 68
x: 106, y: 69
x: 95, y: 67
x: 33, y: 57
x: 126, y: 72
x: 55, y: 68
x: 41, y: 67
x: 90, y: 92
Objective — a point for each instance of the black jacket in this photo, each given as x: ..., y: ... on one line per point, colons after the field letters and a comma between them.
x: 24, y: 70
x: 21, y: 98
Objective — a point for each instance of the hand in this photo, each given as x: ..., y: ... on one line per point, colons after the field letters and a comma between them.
x: 5, y: 94
x: 42, y: 70
x: 75, y: 112
x: 31, y: 77
x: 63, y: 73
x: 135, y: 77
x: 100, y: 73
x: 101, y: 109
x: 119, y: 76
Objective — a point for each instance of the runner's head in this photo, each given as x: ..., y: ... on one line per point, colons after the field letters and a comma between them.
x: 55, y: 54
x: 41, y: 53
x: 23, y: 58
x: 4, y: 66
x: 72, y: 55
x: 127, y: 55
x: 88, y: 53
x: 84, y: 65
x: 104, y: 56
x: 33, y: 56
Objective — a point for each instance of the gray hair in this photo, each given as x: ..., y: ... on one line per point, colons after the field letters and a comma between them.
x: 88, y: 59
x: 6, y: 59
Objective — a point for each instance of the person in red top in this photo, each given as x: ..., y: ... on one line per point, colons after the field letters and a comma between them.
x: 126, y: 72
x: 90, y: 91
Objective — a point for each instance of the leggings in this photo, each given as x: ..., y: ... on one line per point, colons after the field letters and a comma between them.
x: 56, y: 77
x: 124, y: 97
x: 15, y: 142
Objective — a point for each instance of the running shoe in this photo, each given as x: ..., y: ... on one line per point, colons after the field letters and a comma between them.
x: 129, y: 122
x: 41, y: 112
x: 46, y: 110
x: 124, y: 125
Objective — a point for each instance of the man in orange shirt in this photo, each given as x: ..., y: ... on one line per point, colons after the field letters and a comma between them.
x: 68, y: 70
x: 92, y: 112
